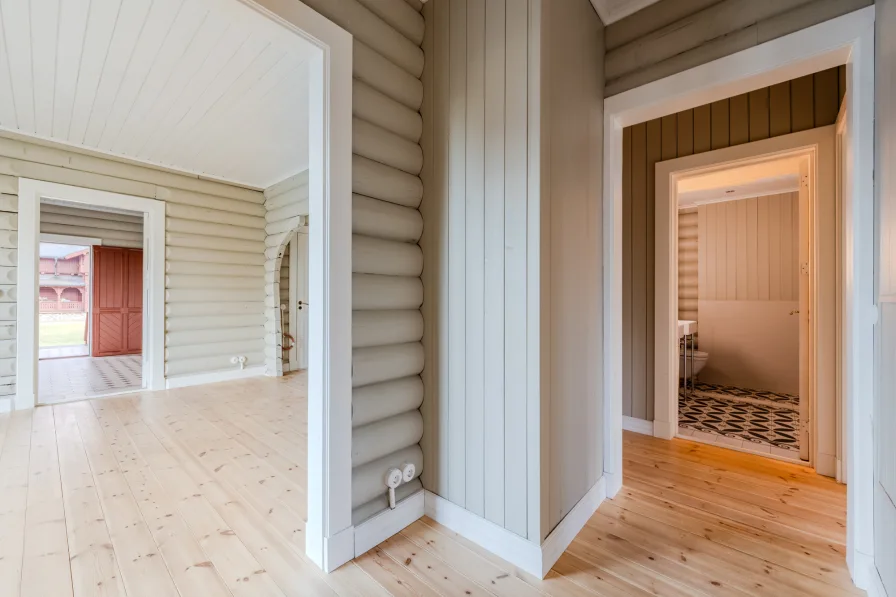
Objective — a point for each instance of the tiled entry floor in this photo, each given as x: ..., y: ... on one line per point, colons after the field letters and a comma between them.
x: 64, y: 380
x: 751, y: 420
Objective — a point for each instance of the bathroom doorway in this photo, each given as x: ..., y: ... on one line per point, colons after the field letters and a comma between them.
x: 746, y: 347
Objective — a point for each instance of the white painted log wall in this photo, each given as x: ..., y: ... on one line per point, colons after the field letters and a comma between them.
x: 214, y: 256
x: 115, y: 230
x: 387, y: 262
x: 9, y: 242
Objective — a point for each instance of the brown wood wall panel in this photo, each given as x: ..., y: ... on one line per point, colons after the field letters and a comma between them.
x: 773, y: 111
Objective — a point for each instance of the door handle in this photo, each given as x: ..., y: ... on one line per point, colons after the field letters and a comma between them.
x: 795, y: 312
x: 302, y: 305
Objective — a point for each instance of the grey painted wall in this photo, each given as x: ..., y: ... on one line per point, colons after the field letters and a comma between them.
x: 885, y: 403
x: 512, y: 247
x: 387, y: 326
x: 674, y: 35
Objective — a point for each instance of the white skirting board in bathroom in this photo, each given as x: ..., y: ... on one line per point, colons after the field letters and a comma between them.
x: 637, y: 425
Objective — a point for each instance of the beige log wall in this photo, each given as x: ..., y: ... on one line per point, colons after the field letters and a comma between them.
x: 113, y: 229
x: 672, y: 36
x: 8, y: 244
x: 387, y: 325
x: 214, y: 261
x: 788, y: 107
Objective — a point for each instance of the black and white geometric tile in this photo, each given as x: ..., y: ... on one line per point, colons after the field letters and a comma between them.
x: 63, y: 380
x: 757, y: 417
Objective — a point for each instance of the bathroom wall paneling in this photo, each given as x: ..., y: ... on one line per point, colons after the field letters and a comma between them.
x: 804, y: 103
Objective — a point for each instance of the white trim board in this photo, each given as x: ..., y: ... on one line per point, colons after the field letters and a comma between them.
x: 636, y: 425
x: 30, y: 194
x: 507, y: 545
x: 185, y: 381
x: 387, y: 523
x: 329, y: 530
x: 848, y: 39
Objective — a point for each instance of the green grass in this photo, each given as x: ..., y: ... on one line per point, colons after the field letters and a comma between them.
x: 61, y: 333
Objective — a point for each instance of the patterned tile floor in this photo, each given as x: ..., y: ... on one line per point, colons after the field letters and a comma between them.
x: 754, y: 420
x: 65, y: 380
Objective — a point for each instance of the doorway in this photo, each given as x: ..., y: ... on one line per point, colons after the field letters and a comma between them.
x: 747, y: 279
x: 109, y: 250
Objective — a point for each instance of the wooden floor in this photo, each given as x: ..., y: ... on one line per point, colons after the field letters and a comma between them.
x: 200, y: 492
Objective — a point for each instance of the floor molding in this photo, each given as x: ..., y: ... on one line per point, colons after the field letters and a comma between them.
x: 377, y: 529
x: 522, y: 553
x: 637, y: 425
x: 571, y: 525
x: 183, y: 381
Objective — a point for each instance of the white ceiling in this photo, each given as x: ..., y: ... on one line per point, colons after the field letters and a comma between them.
x: 611, y: 11
x: 743, y: 182
x: 209, y: 87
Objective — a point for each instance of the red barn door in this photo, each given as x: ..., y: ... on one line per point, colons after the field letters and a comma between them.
x: 117, y: 301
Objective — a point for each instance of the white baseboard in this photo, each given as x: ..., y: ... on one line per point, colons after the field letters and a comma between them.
x: 535, y: 559
x: 339, y: 549
x: 183, y: 381
x: 637, y: 425
x: 664, y: 430
x: 375, y: 530
x: 875, y: 586
x: 498, y: 540
x: 571, y: 525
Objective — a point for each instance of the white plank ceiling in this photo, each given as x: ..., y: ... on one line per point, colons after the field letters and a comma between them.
x: 611, y: 11
x: 209, y: 87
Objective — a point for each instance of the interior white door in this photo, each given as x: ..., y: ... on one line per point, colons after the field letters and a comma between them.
x: 805, y: 313
x: 299, y: 305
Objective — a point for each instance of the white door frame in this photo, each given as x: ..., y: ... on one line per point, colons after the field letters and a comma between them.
x: 329, y: 534
x: 30, y: 194
x: 812, y: 150
x: 849, y: 40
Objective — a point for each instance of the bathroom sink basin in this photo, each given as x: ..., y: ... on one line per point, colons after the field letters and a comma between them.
x: 686, y: 327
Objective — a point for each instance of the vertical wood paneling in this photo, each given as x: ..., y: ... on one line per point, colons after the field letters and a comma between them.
x: 516, y: 141
x: 827, y: 96
x: 457, y: 123
x: 774, y: 248
x: 711, y: 252
x: 475, y: 256
x: 741, y: 250
x: 802, y: 104
x: 720, y: 134
x: 763, y: 113
x: 746, y: 249
x: 654, y: 155
x: 763, y: 244
x: 670, y: 137
x: 759, y: 114
x: 685, y: 133
x: 639, y: 264
x: 494, y: 261
x: 730, y: 249
x: 752, y: 224
x: 441, y: 192
x: 779, y: 109
x: 739, y: 119
x: 702, y: 128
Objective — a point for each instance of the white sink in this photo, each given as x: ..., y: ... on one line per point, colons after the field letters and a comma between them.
x: 686, y: 327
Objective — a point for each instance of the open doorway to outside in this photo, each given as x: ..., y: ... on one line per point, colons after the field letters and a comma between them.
x: 64, y: 300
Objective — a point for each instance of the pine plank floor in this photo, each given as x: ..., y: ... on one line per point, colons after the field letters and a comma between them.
x: 201, y: 492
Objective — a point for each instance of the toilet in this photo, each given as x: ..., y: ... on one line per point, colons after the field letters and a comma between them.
x: 699, y: 362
